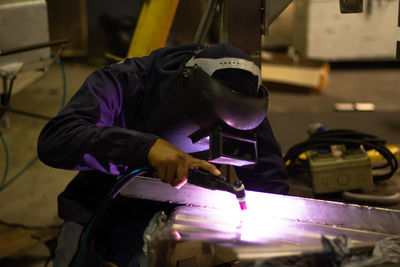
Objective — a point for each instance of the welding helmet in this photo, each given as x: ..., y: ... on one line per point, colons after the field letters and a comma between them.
x: 213, y: 107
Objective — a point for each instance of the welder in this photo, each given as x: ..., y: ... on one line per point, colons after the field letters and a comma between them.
x: 123, y: 118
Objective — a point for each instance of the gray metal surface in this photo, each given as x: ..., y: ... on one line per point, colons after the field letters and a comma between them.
x: 297, y: 209
x: 273, y: 225
x: 258, y: 235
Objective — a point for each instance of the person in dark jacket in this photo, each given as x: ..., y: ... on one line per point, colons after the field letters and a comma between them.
x: 102, y: 133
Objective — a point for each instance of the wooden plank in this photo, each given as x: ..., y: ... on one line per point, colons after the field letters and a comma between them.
x: 295, y: 71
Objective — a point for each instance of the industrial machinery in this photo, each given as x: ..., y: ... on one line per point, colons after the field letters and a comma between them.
x: 339, y: 161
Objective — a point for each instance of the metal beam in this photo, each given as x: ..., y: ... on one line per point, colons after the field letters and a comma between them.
x: 241, y: 24
x: 273, y: 8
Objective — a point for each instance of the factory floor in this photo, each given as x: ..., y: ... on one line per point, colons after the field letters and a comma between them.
x: 31, y: 199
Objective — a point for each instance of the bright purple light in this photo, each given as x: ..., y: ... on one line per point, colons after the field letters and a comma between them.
x: 260, y: 222
x: 176, y: 235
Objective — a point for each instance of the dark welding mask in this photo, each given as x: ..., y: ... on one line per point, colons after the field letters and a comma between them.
x: 203, y: 116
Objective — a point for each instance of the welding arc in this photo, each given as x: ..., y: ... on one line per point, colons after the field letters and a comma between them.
x: 344, y: 137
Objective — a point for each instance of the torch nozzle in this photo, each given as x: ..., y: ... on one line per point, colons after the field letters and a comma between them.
x: 207, y: 180
x: 240, y: 193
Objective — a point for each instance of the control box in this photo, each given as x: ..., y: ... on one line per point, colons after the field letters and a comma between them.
x: 339, y: 170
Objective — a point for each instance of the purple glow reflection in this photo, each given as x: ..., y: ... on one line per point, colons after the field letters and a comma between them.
x: 257, y: 203
x: 231, y: 161
x: 262, y: 221
x: 93, y: 164
x: 176, y: 235
x: 258, y: 227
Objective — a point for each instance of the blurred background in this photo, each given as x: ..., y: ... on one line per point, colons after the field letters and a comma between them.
x: 338, y: 68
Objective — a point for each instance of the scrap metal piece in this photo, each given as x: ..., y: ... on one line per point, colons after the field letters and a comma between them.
x: 357, y: 106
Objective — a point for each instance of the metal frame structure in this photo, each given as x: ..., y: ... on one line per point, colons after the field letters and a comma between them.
x: 9, y: 73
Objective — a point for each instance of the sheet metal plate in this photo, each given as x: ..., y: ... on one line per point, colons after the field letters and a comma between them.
x: 257, y: 234
x: 273, y: 224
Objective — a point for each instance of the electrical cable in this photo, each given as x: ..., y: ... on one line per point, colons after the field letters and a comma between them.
x: 7, y: 162
x: 64, y: 90
x: 27, y: 166
x: 125, y: 180
x: 344, y: 137
x: 93, y: 225
x: 4, y: 184
x: 375, y: 199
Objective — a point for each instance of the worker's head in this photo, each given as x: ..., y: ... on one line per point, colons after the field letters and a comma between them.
x: 219, y: 90
x: 230, y: 66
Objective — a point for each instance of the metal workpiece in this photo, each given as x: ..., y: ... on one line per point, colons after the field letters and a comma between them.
x: 210, y: 235
x: 349, y: 216
x: 273, y: 225
x: 251, y: 233
x: 189, y: 194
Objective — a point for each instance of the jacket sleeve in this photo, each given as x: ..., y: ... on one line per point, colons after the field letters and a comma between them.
x: 90, y: 132
x: 269, y: 174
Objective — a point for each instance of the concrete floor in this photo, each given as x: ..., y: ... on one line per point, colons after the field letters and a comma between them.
x: 31, y: 199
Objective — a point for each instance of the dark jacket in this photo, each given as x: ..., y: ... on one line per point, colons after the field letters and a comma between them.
x: 100, y: 132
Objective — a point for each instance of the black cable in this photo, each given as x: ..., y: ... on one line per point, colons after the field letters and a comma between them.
x: 344, y: 137
x: 91, y: 229
x: 125, y: 180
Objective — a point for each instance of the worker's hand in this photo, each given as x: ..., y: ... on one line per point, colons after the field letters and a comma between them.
x: 172, y: 164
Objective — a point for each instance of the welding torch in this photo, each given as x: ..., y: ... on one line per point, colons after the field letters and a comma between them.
x: 205, y: 179
x: 197, y: 177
